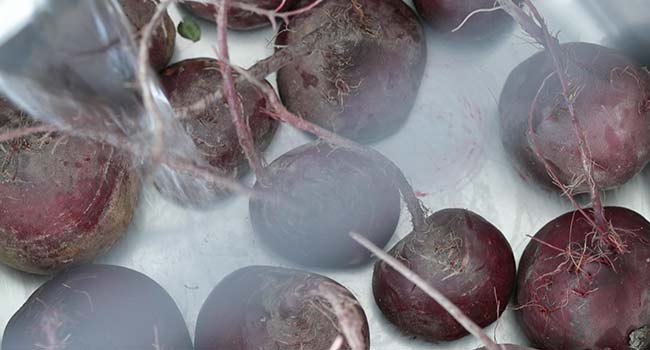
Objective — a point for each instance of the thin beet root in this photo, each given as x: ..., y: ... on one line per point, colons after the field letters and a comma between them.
x: 64, y: 200
x: 576, y: 291
x: 212, y: 129
x: 460, y: 254
x: 452, y: 17
x: 272, y: 308
x: 362, y: 81
x: 239, y: 19
x: 611, y: 100
x: 314, y: 195
x: 99, y: 307
x: 161, y: 49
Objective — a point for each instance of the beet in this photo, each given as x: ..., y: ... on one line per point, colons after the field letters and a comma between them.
x: 462, y: 255
x: 98, y: 307
x: 238, y: 19
x: 574, y: 292
x: 364, y: 79
x: 313, y: 196
x: 611, y: 101
x: 212, y: 129
x: 446, y: 15
x: 139, y: 14
x: 272, y: 308
x: 63, y: 199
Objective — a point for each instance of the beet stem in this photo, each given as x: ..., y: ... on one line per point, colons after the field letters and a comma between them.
x: 413, y: 203
x: 144, y: 78
x: 539, y: 31
x: 18, y: 133
x: 435, y: 294
x: 338, y: 342
x: 244, y: 133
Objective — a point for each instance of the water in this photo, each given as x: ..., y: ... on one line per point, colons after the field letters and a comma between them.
x: 73, y: 64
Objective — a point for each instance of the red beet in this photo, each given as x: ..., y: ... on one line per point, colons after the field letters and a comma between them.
x: 212, y: 129
x: 611, y: 101
x: 98, y: 307
x: 239, y: 19
x: 463, y: 256
x: 272, y: 308
x: 139, y: 13
x: 576, y: 292
x: 363, y: 80
x: 312, y: 198
x: 446, y: 15
x: 63, y: 200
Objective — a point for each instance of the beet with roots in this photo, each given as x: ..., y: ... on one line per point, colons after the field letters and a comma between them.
x: 161, y: 49
x: 63, y: 199
x: 239, y: 19
x: 582, y: 289
x: 446, y: 15
x: 462, y: 255
x: 272, y: 308
x: 610, y: 94
x: 313, y: 196
x: 212, y: 128
x: 363, y: 81
x: 99, y: 307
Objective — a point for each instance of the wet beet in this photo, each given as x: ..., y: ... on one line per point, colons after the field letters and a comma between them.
x: 462, y: 255
x: 363, y: 80
x: 63, y: 200
x: 314, y: 195
x: 212, y: 129
x: 272, y: 308
x: 575, y: 294
x: 611, y: 100
x: 139, y: 13
x: 99, y: 307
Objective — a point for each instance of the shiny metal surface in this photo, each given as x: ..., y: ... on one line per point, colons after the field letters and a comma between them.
x: 449, y: 149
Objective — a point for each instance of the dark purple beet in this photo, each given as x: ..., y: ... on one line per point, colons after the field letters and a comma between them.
x: 446, y: 15
x: 612, y: 104
x: 462, y: 255
x: 99, y: 307
x: 593, y: 298
x: 139, y: 13
x: 314, y: 195
x: 239, y: 19
x: 64, y: 200
x: 212, y: 129
x: 363, y: 80
x: 273, y: 308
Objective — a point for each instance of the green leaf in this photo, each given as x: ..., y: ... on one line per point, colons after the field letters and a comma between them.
x: 189, y: 29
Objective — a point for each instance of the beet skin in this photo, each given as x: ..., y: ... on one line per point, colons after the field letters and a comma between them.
x: 99, y: 307
x: 212, y: 129
x: 239, y: 19
x: 313, y: 196
x: 63, y: 200
x: 463, y: 256
x: 363, y: 81
x: 575, y: 295
x: 139, y: 14
x: 272, y: 308
x: 611, y: 99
